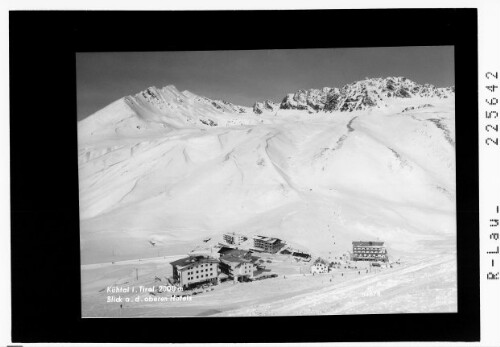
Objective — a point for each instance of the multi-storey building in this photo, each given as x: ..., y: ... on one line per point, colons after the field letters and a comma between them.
x: 195, y: 270
x: 234, y: 238
x: 267, y: 244
x: 369, y: 251
x: 237, y: 264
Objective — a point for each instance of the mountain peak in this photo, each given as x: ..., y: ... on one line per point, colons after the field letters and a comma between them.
x: 363, y: 94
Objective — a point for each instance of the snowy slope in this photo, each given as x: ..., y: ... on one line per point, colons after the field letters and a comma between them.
x: 174, y: 167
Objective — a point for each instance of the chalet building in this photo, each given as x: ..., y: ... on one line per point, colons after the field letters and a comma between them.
x: 320, y: 266
x: 234, y: 238
x: 237, y: 264
x: 195, y: 270
x: 369, y: 251
x: 267, y: 244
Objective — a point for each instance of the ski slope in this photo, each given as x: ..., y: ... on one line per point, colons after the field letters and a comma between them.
x: 172, y: 167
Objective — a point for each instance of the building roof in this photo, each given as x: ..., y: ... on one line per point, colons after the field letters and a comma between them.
x: 225, y: 249
x: 301, y: 254
x: 193, y: 261
x: 267, y: 239
x: 235, y: 255
x: 231, y: 250
x: 367, y: 243
x: 234, y: 260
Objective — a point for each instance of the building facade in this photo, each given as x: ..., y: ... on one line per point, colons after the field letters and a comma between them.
x: 237, y: 264
x: 237, y: 268
x: 320, y: 266
x: 234, y: 238
x: 369, y: 251
x: 267, y: 244
x: 195, y: 270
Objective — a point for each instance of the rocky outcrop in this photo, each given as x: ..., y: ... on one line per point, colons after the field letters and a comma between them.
x: 266, y: 106
x: 361, y: 95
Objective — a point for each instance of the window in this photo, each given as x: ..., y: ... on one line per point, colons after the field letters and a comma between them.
x: 196, y: 276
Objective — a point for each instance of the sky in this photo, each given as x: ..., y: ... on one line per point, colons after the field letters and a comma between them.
x: 244, y: 77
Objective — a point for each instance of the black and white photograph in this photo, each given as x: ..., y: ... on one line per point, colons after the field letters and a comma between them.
x: 259, y: 174
x: 267, y: 182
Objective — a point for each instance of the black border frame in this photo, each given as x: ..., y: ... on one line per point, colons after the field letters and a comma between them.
x: 44, y: 171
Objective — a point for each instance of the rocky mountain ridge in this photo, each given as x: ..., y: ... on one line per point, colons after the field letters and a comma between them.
x: 361, y: 95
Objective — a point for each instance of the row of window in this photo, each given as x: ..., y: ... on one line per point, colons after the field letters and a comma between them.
x: 200, y: 276
x: 371, y: 252
x: 199, y: 266
x: 197, y: 271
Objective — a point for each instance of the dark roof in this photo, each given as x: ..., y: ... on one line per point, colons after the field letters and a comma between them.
x: 236, y: 255
x: 300, y: 254
x: 234, y: 252
x: 234, y: 259
x: 267, y: 239
x: 225, y: 249
x: 367, y: 243
x: 193, y: 260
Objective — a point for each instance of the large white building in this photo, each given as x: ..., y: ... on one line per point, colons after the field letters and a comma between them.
x: 267, y: 244
x: 195, y: 270
x: 234, y: 238
x: 369, y: 251
x: 237, y: 264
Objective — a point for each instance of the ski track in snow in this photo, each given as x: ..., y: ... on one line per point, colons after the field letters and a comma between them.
x: 360, y: 295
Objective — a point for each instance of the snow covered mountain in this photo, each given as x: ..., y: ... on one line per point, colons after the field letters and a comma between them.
x: 169, y: 108
x: 371, y: 160
x: 361, y: 95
